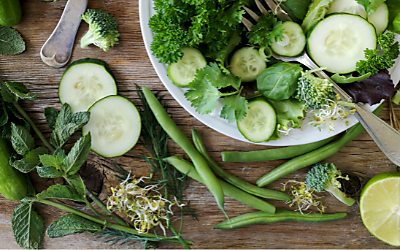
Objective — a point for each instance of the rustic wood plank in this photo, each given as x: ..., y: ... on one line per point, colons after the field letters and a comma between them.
x: 130, y: 64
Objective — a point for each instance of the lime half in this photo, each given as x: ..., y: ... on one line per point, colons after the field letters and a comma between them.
x: 380, y: 207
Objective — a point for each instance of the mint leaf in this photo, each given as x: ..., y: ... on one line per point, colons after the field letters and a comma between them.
x: 30, y: 160
x: 21, y: 140
x: 27, y: 225
x: 11, y: 42
x: 71, y: 224
x: 60, y: 192
x: 77, y: 156
x: 48, y: 172
x: 13, y: 91
x: 51, y: 117
x: 76, y: 181
x: 235, y: 108
x: 4, y: 115
x: 67, y: 124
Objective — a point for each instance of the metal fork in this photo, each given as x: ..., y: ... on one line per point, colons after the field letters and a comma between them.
x: 386, y: 137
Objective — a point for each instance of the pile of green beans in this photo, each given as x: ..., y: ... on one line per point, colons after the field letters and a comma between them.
x: 279, y: 216
x: 235, y: 181
x: 169, y: 126
x: 314, y: 156
x: 229, y: 190
x: 274, y: 153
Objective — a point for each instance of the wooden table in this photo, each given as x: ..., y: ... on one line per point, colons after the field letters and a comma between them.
x: 130, y: 64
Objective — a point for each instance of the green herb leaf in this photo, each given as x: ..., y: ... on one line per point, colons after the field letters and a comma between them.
x: 49, y: 172
x: 71, y: 224
x: 77, y: 182
x: 370, y: 6
x: 30, y: 160
x: 289, y: 111
x: 21, y: 140
x: 51, y: 117
x: 27, y: 225
x: 11, y: 42
x: 4, y: 115
x: 267, y: 30
x: 67, y: 124
x: 343, y: 79
x: 235, y: 108
x: 77, y: 156
x: 13, y: 91
x: 31, y: 189
x: 53, y: 160
x: 60, y: 192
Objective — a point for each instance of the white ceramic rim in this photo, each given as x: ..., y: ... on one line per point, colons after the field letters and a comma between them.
x: 306, y: 134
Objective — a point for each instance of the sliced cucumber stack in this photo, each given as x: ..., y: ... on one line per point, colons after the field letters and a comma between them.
x: 338, y: 42
x: 84, y: 82
x: 247, y: 63
x: 293, y: 42
x: 380, y: 18
x: 183, y: 72
x: 260, y: 121
x: 114, y: 125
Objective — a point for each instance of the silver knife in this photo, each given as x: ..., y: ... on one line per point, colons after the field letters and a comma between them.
x: 57, y: 50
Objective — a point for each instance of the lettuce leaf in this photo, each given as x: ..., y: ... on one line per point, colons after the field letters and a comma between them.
x: 370, y: 6
x: 289, y: 111
x: 316, y: 12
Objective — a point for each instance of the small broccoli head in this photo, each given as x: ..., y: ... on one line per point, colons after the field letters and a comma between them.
x: 313, y: 91
x: 102, y: 29
x: 325, y: 177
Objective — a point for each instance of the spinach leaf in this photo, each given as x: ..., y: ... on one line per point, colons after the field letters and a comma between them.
x: 279, y: 82
x: 21, y: 140
x: 60, y: 192
x: 77, y: 156
x: 30, y: 160
x: 349, y: 78
x: 71, y: 224
x: 296, y: 8
x: 27, y: 225
x: 396, y: 24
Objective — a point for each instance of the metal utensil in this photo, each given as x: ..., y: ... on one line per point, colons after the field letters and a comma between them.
x: 58, y: 48
x: 386, y: 137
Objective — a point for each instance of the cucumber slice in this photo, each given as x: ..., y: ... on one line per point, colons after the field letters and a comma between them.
x: 183, y: 72
x: 84, y: 82
x: 294, y: 40
x: 114, y: 125
x: 380, y: 18
x: 338, y: 42
x: 247, y: 63
x: 260, y: 121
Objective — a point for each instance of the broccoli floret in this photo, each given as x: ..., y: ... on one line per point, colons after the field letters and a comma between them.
x: 313, y: 91
x: 325, y: 176
x: 102, y: 29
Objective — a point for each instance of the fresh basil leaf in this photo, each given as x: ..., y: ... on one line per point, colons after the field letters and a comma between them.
x: 279, y: 81
x: 71, y: 224
x: 49, y: 172
x: 76, y: 181
x: 77, y: 156
x: 27, y: 225
x: 21, y: 140
x: 12, y: 91
x: 60, y: 192
x: 67, y: 124
x: 51, y: 117
x: 349, y: 78
x: 30, y: 160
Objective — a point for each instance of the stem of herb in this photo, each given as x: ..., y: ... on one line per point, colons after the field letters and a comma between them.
x: 104, y: 222
x: 37, y: 131
x: 94, y: 210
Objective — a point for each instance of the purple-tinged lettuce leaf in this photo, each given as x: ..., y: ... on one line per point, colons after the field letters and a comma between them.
x: 373, y: 89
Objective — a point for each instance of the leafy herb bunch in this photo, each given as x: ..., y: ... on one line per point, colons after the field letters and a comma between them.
x: 52, y: 161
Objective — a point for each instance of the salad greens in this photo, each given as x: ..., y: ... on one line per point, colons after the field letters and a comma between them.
x: 370, y: 6
x: 316, y: 12
x: 267, y: 30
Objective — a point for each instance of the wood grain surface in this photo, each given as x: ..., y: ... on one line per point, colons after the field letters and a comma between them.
x: 131, y: 65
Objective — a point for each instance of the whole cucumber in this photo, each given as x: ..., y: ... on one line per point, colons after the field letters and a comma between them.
x: 12, y: 182
x: 10, y: 12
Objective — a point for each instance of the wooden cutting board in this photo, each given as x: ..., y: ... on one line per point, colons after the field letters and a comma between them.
x: 131, y: 65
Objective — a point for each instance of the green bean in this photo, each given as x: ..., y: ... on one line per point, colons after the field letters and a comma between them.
x: 229, y: 190
x: 314, y: 156
x: 274, y: 153
x: 210, y: 180
x: 279, y: 216
x: 234, y: 180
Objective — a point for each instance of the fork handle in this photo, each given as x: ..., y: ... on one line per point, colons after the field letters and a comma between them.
x: 386, y: 137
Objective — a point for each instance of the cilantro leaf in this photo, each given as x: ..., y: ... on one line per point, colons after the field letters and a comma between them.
x: 11, y: 41
x: 235, y: 108
x: 267, y: 30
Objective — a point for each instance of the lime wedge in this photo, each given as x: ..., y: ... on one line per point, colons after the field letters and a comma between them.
x: 380, y: 207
